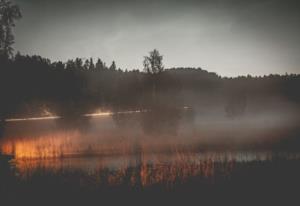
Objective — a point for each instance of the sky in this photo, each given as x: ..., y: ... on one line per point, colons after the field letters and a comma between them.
x: 229, y: 37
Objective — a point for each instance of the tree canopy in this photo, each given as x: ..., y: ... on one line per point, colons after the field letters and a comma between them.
x: 153, y: 63
x: 9, y: 13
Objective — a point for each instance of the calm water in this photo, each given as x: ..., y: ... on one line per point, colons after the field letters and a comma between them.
x: 200, y: 163
x: 102, y: 148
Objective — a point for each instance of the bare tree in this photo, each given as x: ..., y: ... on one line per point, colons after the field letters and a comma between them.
x: 153, y: 62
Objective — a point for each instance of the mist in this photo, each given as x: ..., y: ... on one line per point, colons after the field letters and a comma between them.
x: 159, y: 102
x: 209, y: 121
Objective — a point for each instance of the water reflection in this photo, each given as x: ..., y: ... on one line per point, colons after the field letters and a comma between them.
x: 147, y: 168
x: 115, y: 162
x: 134, y: 166
x: 106, y: 154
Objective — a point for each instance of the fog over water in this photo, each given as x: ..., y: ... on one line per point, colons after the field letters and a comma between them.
x: 196, y: 130
x: 149, y: 102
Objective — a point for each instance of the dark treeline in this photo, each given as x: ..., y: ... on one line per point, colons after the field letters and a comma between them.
x: 35, y: 86
x: 31, y: 84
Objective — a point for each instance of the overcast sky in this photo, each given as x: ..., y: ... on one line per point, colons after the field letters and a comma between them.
x: 230, y: 37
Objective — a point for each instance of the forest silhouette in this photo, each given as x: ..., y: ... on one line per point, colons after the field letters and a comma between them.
x: 217, y: 117
x: 35, y: 86
x: 74, y: 87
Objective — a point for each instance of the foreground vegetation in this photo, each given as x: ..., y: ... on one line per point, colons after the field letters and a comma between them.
x: 256, y: 182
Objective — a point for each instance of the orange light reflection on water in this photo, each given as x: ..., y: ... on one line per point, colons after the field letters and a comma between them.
x: 64, y: 144
x: 119, y: 170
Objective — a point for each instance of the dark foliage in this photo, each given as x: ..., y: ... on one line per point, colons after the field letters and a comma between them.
x: 32, y: 83
x: 271, y: 182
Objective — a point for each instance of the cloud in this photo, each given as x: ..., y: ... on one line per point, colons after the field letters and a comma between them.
x: 230, y: 37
